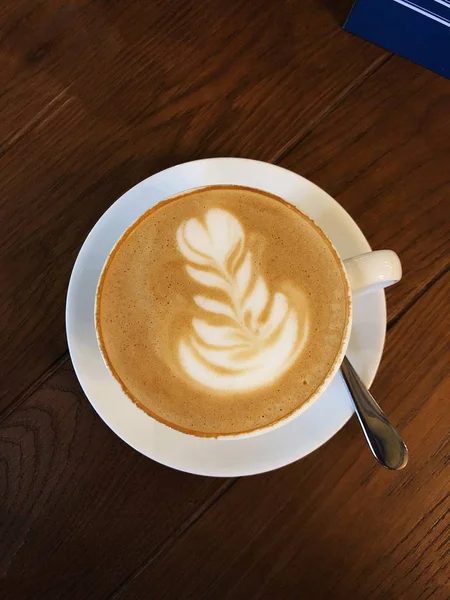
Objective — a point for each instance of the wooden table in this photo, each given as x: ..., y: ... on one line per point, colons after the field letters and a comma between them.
x: 96, y: 96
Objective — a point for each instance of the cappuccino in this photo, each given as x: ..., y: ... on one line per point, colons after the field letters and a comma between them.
x: 222, y: 310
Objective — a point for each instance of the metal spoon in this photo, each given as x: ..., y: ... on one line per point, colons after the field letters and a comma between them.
x: 383, y: 438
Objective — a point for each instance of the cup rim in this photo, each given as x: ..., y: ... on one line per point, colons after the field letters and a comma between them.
x: 297, y: 411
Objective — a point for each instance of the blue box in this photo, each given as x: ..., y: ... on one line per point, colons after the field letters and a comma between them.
x: 416, y: 29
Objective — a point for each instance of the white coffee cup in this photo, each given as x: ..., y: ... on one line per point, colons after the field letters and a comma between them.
x: 363, y: 273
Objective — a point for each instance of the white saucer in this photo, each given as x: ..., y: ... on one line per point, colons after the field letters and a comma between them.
x: 226, y: 458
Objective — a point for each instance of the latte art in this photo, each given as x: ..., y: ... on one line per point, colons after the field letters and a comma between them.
x: 249, y: 336
x: 222, y: 310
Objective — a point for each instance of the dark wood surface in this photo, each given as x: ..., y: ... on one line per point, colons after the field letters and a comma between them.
x: 98, y: 95
x: 138, y: 86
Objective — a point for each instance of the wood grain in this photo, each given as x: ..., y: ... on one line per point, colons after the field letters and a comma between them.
x: 384, y: 154
x: 100, y: 95
x: 336, y: 525
x: 79, y: 509
x: 27, y: 92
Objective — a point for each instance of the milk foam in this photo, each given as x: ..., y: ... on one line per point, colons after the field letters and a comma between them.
x: 222, y: 310
x: 249, y: 335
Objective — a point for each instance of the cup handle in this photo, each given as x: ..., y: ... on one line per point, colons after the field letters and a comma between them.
x: 373, y: 270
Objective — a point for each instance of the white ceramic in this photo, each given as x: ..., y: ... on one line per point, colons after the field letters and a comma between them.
x: 224, y: 457
x: 364, y: 273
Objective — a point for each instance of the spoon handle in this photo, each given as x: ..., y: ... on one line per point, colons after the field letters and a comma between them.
x: 383, y: 438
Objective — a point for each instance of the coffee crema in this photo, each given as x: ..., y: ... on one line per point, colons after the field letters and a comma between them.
x: 222, y: 310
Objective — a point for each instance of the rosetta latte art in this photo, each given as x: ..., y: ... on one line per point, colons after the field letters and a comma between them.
x: 247, y: 336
